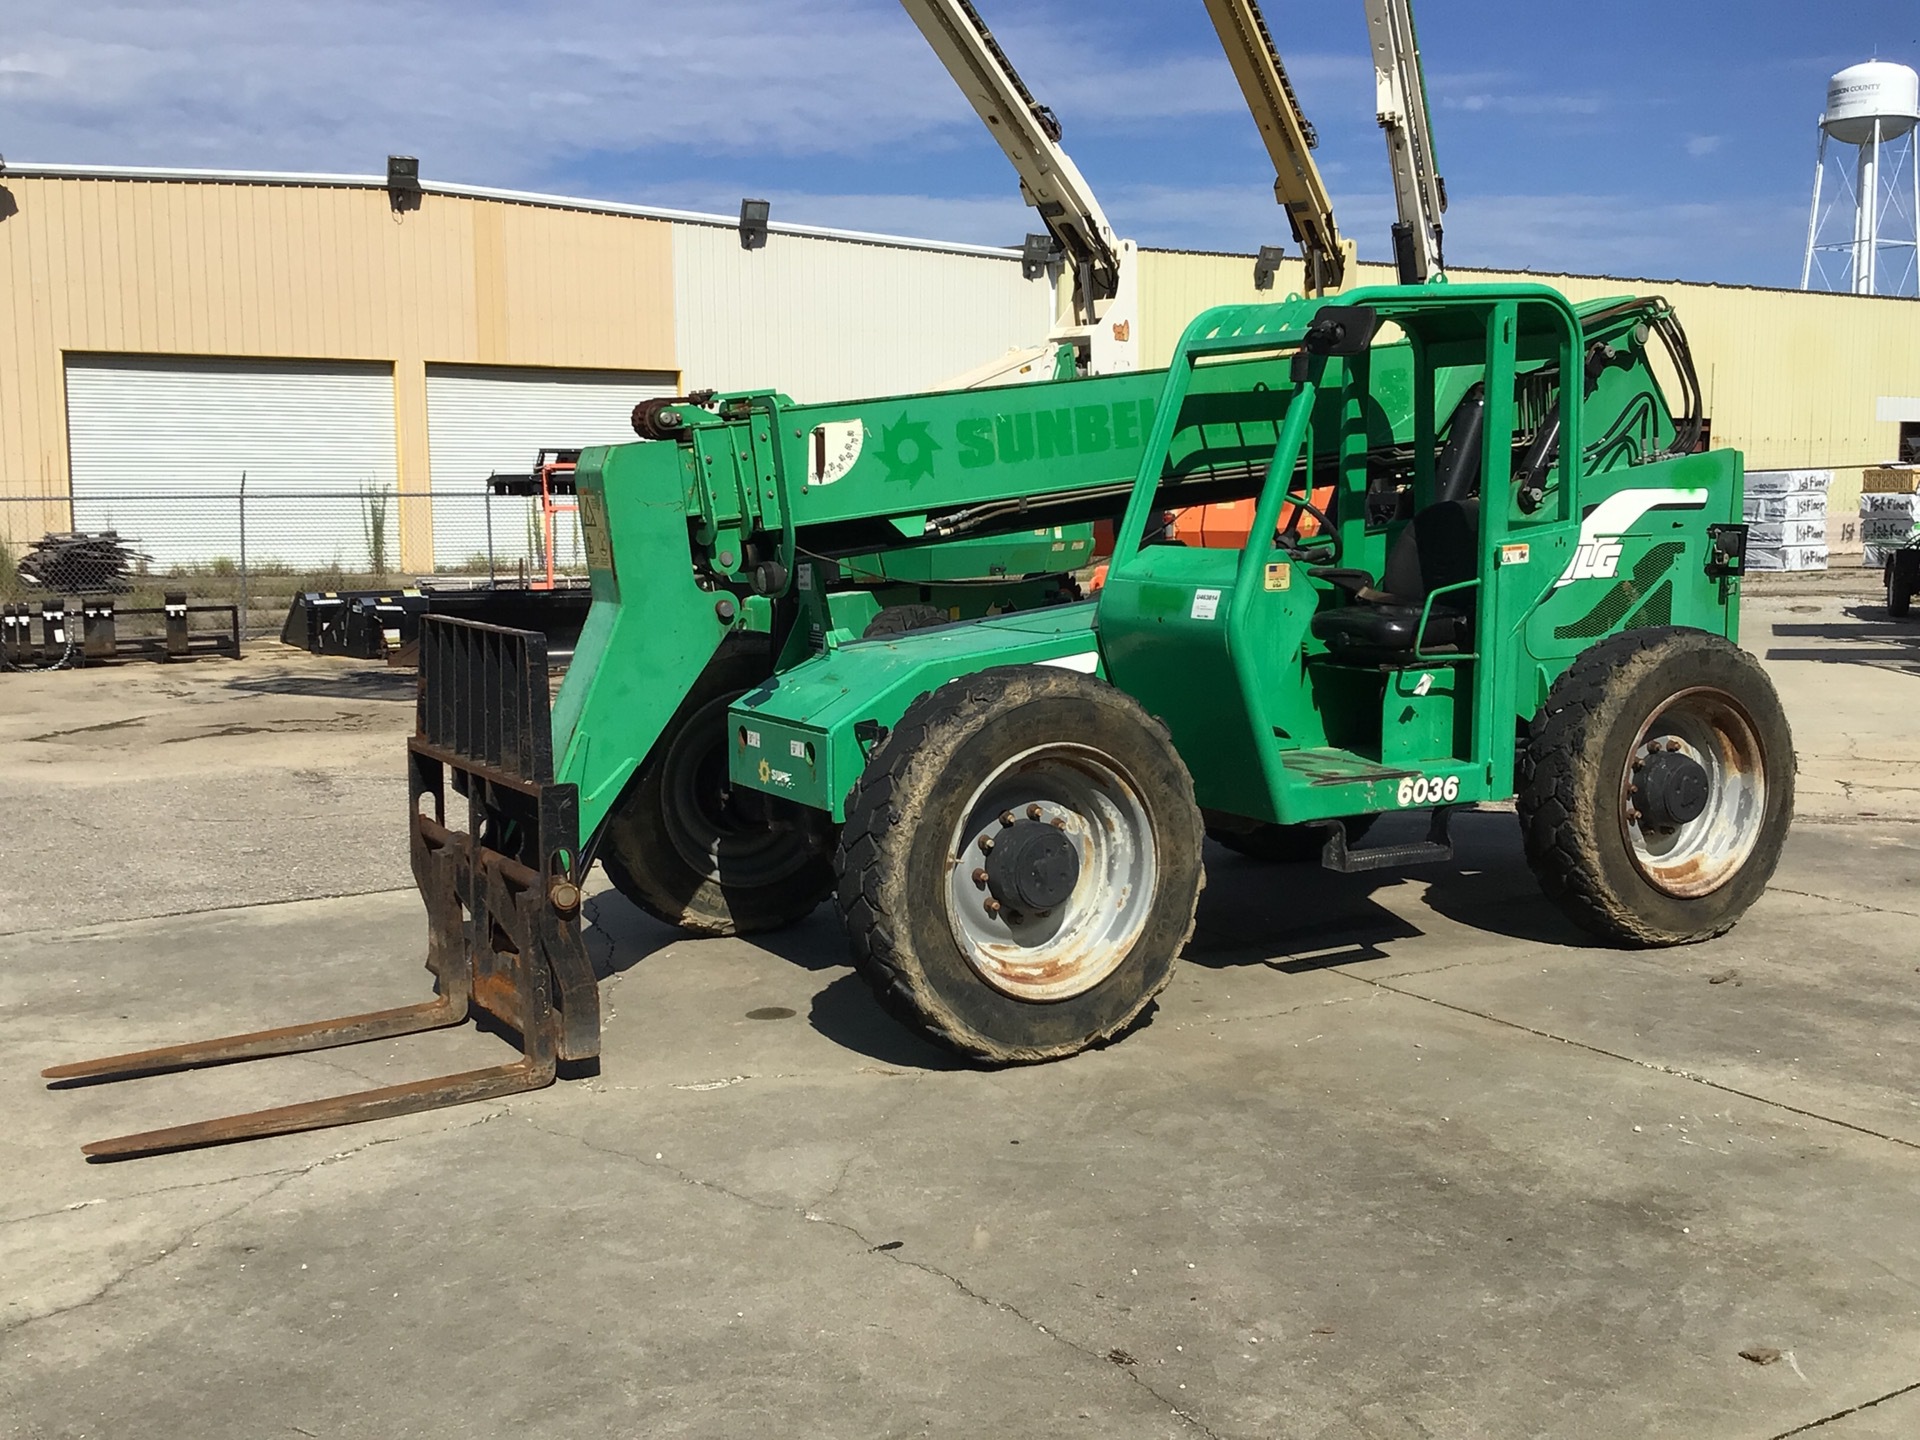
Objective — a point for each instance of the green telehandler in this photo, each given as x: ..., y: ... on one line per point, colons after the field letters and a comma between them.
x: 1525, y: 588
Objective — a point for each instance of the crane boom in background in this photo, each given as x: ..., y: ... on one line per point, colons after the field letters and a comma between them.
x: 1419, y: 194
x: 1289, y: 138
x: 1097, y: 313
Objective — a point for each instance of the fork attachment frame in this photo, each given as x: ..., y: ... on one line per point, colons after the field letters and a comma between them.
x: 502, y: 899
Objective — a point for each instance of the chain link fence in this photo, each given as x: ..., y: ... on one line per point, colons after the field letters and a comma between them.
x: 257, y: 548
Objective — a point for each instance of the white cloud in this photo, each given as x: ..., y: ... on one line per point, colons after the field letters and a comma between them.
x: 1627, y: 235
x: 489, y: 92
x: 503, y: 93
x: 1700, y: 146
x: 1520, y: 103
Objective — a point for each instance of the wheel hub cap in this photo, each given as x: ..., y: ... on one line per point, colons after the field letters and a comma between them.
x: 1033, y: 866
x: 1673, y: 789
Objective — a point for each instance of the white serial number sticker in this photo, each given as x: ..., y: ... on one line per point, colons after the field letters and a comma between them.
x: 1422, y: 791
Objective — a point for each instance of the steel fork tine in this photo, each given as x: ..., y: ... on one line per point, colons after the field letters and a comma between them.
x: 436, y: 1014
x: 381, y: 1104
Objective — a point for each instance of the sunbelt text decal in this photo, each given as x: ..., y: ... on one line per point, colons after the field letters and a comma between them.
x: 1598, y: 554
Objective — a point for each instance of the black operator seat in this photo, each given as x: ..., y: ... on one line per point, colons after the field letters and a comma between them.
x: 1440, y: 546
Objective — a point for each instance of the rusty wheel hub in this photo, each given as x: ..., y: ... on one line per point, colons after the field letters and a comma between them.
x: 1051, y: 873
x: 1694, y: 793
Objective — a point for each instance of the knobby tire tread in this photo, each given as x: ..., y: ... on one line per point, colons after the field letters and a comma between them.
x: 872, y: 928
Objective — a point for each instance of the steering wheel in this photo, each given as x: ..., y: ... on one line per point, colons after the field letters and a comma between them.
x: 1320, y: 549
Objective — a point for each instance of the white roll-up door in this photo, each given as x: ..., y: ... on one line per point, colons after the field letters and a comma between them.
x: 158, y: 446
x: 484, y: 420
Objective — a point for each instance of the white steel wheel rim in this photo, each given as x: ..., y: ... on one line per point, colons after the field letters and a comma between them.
x: 1697, y: 857
x: 1070, y: 949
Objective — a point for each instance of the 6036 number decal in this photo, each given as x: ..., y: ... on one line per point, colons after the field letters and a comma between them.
x: 1422, y: 791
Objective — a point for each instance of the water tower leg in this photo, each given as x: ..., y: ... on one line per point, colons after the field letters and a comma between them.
x: 1813, y: 220
x: 1866, y: 223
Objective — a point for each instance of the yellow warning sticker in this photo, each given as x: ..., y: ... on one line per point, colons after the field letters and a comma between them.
x: 1280, y: 576
x: 1515, y: 554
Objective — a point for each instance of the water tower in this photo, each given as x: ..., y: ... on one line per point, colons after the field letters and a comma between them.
x: 1872, y: 111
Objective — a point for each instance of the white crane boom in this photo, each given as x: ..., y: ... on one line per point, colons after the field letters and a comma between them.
x: 1097, y: 313
x: 1419, y: 194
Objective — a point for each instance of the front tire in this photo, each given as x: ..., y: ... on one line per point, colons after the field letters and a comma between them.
x: 689, y: 849
x: 1903, y: 581
x: 1062, y: 938
x: 1656, y: 787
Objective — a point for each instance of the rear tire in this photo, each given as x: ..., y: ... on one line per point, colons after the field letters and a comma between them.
x: 1287, y: 844
x: 899, y: 619
x: 1903, y: 581
x: 1062, y: 947
x: 1656, y: 787
x: 689, y: 849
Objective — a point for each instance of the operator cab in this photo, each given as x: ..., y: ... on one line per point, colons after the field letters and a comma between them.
x: 1341, y: 647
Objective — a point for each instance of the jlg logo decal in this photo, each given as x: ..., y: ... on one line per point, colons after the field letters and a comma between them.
x: 1598, y: 555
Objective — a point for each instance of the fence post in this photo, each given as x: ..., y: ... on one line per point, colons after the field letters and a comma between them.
x: 487, y: 493
x: 243, y: 550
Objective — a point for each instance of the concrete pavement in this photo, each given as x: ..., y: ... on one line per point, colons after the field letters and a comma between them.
x: 1397, y: 1156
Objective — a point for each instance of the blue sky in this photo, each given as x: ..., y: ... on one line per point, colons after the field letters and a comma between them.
x: 1626, y: 137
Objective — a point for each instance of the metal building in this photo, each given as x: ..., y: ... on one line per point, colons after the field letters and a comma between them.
x: 163, y: 333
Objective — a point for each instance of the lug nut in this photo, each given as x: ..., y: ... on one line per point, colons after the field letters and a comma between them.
x: 986, y: 842
x: 980, y: 877
x: 1006, y: 817
x: 1633, y: 815
x: 1059, y: 822
x: 993, y: 907
x: 1034, y: 812
x: 1639, y: 762
x: 1673, y: 746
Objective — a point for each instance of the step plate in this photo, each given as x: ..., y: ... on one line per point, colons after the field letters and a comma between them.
x: 1436, y: 849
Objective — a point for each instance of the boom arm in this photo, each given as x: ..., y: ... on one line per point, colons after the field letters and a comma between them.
x: 1289, y: 137
x: 1101, y: 318
x: 1419, y: 194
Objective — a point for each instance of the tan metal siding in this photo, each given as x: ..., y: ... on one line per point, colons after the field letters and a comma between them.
x: 307, y: 272
x: 835, y: 319
x: 1792, y: 379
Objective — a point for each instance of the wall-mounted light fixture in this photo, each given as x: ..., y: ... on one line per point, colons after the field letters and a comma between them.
x: 1036, y: 255
x: 753, y: 223
x: 1266, y: 265
x: 403, y: 182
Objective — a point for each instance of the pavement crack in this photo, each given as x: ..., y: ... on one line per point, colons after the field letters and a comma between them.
x: 141, y: 1266
x: 80, y: 1205
x: 1653, y: 1065
x: 1825, y: 1420
x: 61, y: 932
x: 1851, y: 904
x: 282, y: 1179
x: 874, y: 1248
x: 1214, y: 1021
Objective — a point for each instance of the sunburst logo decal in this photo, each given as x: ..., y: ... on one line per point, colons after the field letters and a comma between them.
x: 906, y: 449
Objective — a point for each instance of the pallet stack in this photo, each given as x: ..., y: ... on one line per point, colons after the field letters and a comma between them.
x: 1786, y: 516
x: 1889, y: 511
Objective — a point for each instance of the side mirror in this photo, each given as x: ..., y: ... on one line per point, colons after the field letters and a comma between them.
x: 1336, y: 330
x: 1342, y: 330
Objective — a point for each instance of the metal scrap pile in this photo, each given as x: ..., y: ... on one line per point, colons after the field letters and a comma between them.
x: 76, y: 563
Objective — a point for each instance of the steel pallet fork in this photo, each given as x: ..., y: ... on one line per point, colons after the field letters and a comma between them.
x: 502, y: 898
